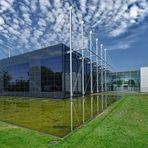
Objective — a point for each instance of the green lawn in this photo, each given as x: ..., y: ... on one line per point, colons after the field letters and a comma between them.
x: 124, y: 124
x: 14, y: 137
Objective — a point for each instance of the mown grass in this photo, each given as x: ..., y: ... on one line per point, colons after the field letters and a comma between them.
x: 124, y: 124
x: 15, y: 137
x: 52, y: 116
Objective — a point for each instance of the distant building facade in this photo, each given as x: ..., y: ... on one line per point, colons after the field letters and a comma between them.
x: 144, y: 79
x: 126, y: 81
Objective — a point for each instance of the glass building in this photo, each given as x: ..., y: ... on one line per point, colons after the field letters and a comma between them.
x: 126, y: 81
x: 45, y: 73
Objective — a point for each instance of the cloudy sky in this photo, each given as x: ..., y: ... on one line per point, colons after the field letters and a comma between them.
x: 120, y: 25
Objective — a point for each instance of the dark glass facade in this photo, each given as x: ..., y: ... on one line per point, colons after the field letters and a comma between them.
x: 51, y: 74
x: 16, y: 77
x: 87, y: 75
x: 46, y: 73
x: 39, y: 73
x: 77, y: 73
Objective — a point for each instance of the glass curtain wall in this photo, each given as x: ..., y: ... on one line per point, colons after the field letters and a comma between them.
x: 94, y: 78
x: 51, y: 74
x: 126, y: 81
x: 16, y: 77
x: 77, y: 73
x: 87, y: 75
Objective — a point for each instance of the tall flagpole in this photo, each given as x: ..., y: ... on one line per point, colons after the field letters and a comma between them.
x: 82, y: 27
x: 71, y: 85
x: 97, y: 59
x: 105, y: 69
x: 71, y: 91
x: 90, y: 50
x: 101, y: 68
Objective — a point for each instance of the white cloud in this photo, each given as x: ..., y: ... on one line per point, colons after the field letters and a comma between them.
x: 1, y: 28
x: 13, y: 31
x: 33, y: 5
x: 119, y: 46
x: 119, y: 30
x: 83, y: 5
x: 2, y: 22
x: 27, y: 19
x: 41, y: 23
x: 6, y: 5
x: 134, y: 11
x: 44, y: 5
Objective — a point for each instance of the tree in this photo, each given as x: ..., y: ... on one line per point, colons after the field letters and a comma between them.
x: 119, y: 83
x: 131, y: 83
x: 7, y: 79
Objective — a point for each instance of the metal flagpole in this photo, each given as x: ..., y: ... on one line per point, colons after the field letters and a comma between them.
x: 130, y: 82
x: 97, y: 64
x: 91, y: 79
x: 101, y: 69
x: 105, y: 69
x: 83, y: 108
x: 102, y: 102
x: 82, y: 27
x: 97, y: 103
x: 91, y: 106
x: 71, y: 92
x: 71, y: 85
x: 83, y: 92
x: 71, y: 115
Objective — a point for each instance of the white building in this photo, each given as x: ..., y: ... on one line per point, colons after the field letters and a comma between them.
x: 144, y: 79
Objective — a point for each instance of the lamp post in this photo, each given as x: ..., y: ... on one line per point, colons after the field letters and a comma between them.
x: 101, y: 68
x: 91, y: 79
x: 97, y: 59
